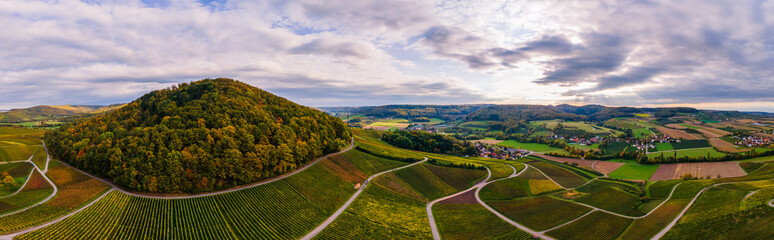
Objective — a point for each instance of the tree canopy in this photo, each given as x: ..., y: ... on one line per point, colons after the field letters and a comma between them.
x: 207, y: 135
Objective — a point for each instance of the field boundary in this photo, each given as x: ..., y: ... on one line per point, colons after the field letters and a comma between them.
x: 234, y: 189
x: 429, y: 207
x: 344, y: 207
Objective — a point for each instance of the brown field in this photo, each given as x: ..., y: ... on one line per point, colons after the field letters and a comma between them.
x: 763, y: 135
x: 676, y: 126
x: 709, y: 134
x: 674, y: 133
x: 725, y: 146
x: 607, y: 167
x: 488, y: 141
x: 581, y: 162
x: 737, y: 126
x: 468, y: 197
x: 705, y: 169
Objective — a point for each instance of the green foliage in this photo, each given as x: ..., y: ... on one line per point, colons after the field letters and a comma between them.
x: 206, y: 135
x: 429, y: 142
x: 597, y: 225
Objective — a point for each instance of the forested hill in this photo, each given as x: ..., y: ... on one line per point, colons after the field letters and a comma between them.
x: 207, y: 135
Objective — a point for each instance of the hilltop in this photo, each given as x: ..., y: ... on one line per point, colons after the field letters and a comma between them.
x: 200, y: 136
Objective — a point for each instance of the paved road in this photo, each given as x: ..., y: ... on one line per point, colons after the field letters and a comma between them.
x: 41, y: 202
x: 335, y: 215
x: 503, y: 217
x: 429, y: 208
x: 116, y: 188
x: 14, y: 234
x: 351, y: 145
x: 771, y: 203
x: 672, y: 224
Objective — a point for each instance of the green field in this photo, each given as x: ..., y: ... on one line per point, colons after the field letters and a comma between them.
x: 664, y: 146
x: 506, y: 189
x: 661, y: 189
x: 17, y: 152
x: 693, y: 153
x: 634, y: 172
x: 641, y: 132
x: 432, y: 182
x: 647, y: 227
x: 537, y: 147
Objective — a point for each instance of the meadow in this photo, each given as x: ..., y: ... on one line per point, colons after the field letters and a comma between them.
x: 537, y: 147
x: 634, y: 172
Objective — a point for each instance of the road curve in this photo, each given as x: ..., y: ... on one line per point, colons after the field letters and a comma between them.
x: 298, y: 170
x: 14, y: 234
x: 22, y: 186
x: 771, y: 203
x: 503, y: 217
x: 41, y: 202
x: 429, y: 208
x: 344, y: 207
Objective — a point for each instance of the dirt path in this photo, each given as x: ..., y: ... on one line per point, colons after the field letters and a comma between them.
x: 341, y: 210
x: 351, y: 145
x: 771, y: 203
x: 429, y: 208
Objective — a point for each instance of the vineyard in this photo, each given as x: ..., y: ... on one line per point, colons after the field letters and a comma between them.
x: 17, y: 152
x: 562, y: 176
x: 645, y: 228
x: 506, y: 189
x: 597, y: 225
x: 539, y: 213
x: 462, y: 218
x: 613, y: 200
x: 35, y: 191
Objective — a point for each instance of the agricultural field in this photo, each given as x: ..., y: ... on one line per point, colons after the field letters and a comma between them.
x: 35, y: 191
x: 432, y: 182
x: 506, y: 189
x: 17, y: 152
x: 75, y: 190
x: 692, y: 153
x: 718, y: 213
x: 634, y: 172
x: 597, y: 225
x: 388, y: 124
x: 537, y: 147
x: 750, y: 166
x: 589, y: 128
x: 641, y: 132
x: 607, y: 167
x: 690, y: 144
x: 614, y: 200
x: 463, y: 218
x: 705, y: 169
x: 562, y: 176
x: 539, y: 213
x: 647, y: 227
x: 678, y: 134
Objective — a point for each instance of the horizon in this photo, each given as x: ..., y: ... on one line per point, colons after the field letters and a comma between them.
x: 339, y: 53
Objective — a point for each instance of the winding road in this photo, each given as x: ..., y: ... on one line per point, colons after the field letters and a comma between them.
x: 341, y: 210
x: 116, y: 188
x: 429, y: 208
x: 25, y: 182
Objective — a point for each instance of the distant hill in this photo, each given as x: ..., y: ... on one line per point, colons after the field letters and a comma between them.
x: 207, y: 135
x: 446, y: 112
x: 46, y: 112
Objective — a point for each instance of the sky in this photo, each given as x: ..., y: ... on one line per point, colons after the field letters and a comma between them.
x: 705, y: 54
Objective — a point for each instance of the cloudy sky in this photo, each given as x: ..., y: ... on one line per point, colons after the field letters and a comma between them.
x: 707, y: 54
